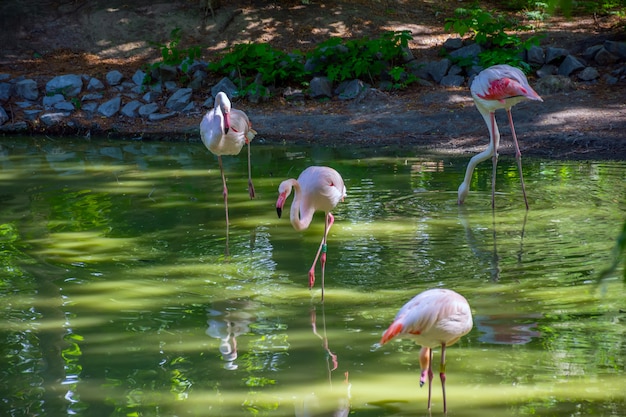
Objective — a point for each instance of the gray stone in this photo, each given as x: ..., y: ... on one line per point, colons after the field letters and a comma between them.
x: 50, y: 101
x: 604, y: 57
x: 27, y: 89
x: 138, y: 77
x: 535, y: 55
x: 179, y: 99
x: 92, y: 96
x: 130, y: 108
x: 170, y: 86
x: 64, y: 106
x: 32, y: 114
x: 225, y: 85
x: 111, y: 107
x: 114, y: 77
x: 51, y: 119
x: 150, y: 96
x: 148, y: 109
x: 94, y: 84
x: 452, y: 81
x: 569, y: 65
x: 156, y: 117
x: 616, y: 48
x: 349, y: 90
x: 4, y: 117
x: 437, y: 69
x: 4, y: 76
x: 546, y: 70
x: 24, y: 104
x: 167, y: 73
x: 469, y: 51
x: 14, y: 127
x: 455, y: 70
x: 6, y: 90
x: 210, y: 102
x: 320, y: 87
x: 290, y: 94
x: 589, y: 74
x: 189, y: 108
x: 555, y: 55
x: 609, y: 79
x: 69, y: 85
x: 90, y: 107
x: 452, y: 44
x: 554, y: 84
x: 590, y: 53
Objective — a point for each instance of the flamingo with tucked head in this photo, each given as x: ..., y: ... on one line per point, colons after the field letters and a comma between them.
x: 317, y: 188
x: 497, y: 87
x: 436, y: 317
x: 224, y: 131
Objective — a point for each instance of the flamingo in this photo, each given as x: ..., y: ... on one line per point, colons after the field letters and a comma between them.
x: 317, y: 188
x: 224, y: 130
x: 497, y: 87
x: 432, y: 318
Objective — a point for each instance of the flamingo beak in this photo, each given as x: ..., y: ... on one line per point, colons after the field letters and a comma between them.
x: 280, y: 203
x: 226, y: 123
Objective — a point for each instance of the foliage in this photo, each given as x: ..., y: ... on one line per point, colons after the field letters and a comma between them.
x: 493, y: 33
x: 172, y: 55
x: 259, y: 64
x: 256, y: 65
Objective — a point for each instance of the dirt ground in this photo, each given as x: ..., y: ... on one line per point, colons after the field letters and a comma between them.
x: 94, y: 37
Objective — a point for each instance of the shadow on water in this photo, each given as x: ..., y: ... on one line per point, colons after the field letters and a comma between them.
x: 125, y: 293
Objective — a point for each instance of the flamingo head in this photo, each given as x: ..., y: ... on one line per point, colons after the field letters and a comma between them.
x: 463, y: 191
x: 284, y: 189
x: 280, y: 203
x: 226, y: 121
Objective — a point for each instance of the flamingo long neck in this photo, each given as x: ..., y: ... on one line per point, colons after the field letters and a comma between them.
x: 300, y: 214
x: 494, y: 142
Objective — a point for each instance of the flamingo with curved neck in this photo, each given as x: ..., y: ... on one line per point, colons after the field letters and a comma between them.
x: 317, y: 188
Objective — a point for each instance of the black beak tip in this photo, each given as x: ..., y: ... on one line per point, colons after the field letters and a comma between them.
x: 226, y: 131
x: 279, y: 211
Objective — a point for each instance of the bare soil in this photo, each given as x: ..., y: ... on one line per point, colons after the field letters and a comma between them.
x: 94, y: 37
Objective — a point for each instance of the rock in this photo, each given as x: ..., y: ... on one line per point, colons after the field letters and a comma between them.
x: 167, y: 73
x: 554, y: 84
x: 26, y: 89
x: 51, y: 119
x: 452, y: 44
x: 69, y: 85
x: 64, y: 106
x: 4, y: 117
x: 150, y: 96
x: 437, y: 69
x: 590, y: 53
x: 589, y: 74
x: 546, y: 70
x: 320, y: 87
x: 535, y: 55
x: 452, y: 81
x: 604, y: 57
x: 130, y: 108
x: 111, y: 107
x: 616, y: 48
x: 555, y: 55
x: 148, y: 109
x: 225, y: 85
x: 50, y: 101
x: 138, y: 77
x: 156, y: 117
x: 92, y: 96
x: 179, y: 99
x: 32, y: 114
x: 469, y: 51
x: 569, y: 65
x: 114, y: 77
x: 290, y: 94
x: 6, y: 91
x: 94, y: 84
x: 90, y: 107
x: 209, y: 103
x: 349, y: 90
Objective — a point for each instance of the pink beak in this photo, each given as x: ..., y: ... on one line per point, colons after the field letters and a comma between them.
x: 226, y: 123
x: 280, y: 203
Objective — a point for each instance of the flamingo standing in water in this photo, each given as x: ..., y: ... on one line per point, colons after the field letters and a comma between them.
x: 497, y: 87
x: 317, y: 188
x: 224, y: 130
x: 436, y: 317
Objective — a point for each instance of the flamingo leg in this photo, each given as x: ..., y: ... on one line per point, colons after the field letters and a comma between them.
x: 518, y: 155
x: 250, y: 186
x: 225, y: 191
x: 430, y: 375
x: 494, y: 159
x: 321, y: 250
x: 442, y: 375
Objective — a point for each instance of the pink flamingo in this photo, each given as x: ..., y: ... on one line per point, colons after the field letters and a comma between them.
x: 224, y: 130
x: 317, y: 188
x: 497, y: 87
x: 432, y: 318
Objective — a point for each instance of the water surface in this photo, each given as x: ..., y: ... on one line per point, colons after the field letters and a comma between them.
x: 123, y: 293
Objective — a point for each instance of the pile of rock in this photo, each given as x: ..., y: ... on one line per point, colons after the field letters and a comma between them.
x: 26, y: 105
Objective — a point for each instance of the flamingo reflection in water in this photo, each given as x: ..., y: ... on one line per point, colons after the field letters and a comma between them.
x: 226, y: 324
x: 309, y: 405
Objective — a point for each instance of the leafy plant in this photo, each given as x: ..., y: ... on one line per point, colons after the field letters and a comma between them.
x: 172, y: 54
x: 494, y: 33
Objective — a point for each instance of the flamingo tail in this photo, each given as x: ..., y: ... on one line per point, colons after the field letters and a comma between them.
x: 393, y: 330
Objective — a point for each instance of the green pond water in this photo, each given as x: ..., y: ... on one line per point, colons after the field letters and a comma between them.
x: 122, y: 293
